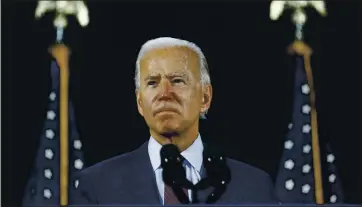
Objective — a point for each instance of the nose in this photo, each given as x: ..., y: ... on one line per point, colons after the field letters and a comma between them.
x: 165, y: 89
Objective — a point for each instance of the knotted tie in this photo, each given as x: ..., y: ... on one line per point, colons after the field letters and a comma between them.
x: 169, y: 196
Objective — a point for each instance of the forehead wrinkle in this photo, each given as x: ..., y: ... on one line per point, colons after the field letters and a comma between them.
x: 182, y: 55
x: 178, y: 73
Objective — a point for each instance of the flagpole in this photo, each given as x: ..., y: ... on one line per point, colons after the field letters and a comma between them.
x: 300, y: 48
x: 61, y: 54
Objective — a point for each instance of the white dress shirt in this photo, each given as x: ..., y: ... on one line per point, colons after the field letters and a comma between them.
x: 192, y: 154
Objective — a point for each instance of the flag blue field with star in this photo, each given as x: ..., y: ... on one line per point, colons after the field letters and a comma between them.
x: 43, y: 187
x: 295, y: 180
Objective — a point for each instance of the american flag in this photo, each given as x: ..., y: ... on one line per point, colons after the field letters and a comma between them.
x: 296, y: 180
x: 43, y: 187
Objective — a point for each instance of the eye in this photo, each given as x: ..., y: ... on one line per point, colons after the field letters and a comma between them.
x: 178, y: 80
x: 151, y: 83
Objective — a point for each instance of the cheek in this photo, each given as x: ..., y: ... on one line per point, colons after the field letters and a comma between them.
x: 147, y: 103
x: 191, y: 99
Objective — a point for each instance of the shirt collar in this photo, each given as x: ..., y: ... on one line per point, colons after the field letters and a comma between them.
x: 193, y: 154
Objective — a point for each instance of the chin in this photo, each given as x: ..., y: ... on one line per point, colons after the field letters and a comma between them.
x: 168, y: 126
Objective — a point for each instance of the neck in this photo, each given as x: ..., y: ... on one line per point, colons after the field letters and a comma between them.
x: 181, y: 140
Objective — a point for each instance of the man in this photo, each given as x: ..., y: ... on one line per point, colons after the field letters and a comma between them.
x: 173, y: 91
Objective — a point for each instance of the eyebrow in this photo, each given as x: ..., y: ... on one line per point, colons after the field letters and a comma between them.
x: 170, y: 75
x: 154, y: 76
x: 178, y: 74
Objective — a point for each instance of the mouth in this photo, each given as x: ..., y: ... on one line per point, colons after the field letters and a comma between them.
x: 165, y: 110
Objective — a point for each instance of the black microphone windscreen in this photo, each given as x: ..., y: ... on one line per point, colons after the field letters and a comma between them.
x: 170, y: 155
x: 169, y: 150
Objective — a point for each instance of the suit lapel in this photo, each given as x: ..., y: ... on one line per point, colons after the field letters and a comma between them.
x: 203, y: 194
x: 141, y: 180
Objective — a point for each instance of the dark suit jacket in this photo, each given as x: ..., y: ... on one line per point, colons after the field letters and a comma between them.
x: 130, y: 179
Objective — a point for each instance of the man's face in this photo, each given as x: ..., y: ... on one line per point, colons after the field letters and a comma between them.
x: 171, y: 97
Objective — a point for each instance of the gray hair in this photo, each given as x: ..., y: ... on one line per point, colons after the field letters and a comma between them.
x: 165, y: 42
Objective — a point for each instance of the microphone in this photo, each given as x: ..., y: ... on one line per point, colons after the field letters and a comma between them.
x: 218, y: 174
x: 174, y: 173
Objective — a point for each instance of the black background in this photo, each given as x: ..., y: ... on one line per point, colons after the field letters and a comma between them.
x: 250, y: 71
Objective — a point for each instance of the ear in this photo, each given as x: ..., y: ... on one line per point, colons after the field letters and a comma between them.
x: 139, y: 103
x: 206, y: 98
